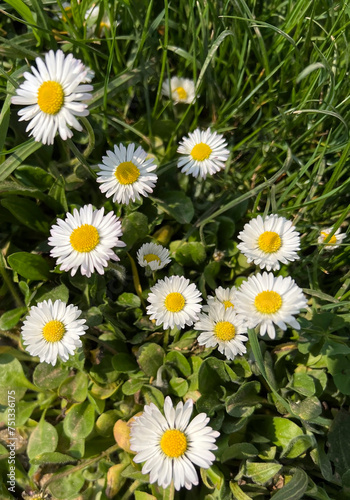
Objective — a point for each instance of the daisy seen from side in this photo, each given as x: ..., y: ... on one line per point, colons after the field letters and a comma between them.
x: 154, y: 256
x: 224, y: 329
x: 266, y: 301
x: 53, y: 95
x: 85, y: 240
x: 179, y: 90
x: 126, y: 174
x: 334, y: 241
x: 225, y: 296
x: 52, y: 330
x: 170, y: 444
x: 270, y: 241
x: 174, y: 301
x: 204, y: 152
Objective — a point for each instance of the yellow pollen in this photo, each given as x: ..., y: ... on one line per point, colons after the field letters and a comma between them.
x: 50, y: 97
x: 173, y: 443
x: 54, y: 331
x: 174, y: 302
x: 227, y: 304
x: 181, y: 92
x: 332, y: 241
x: 85, y: 238
x: 151, y: 257
x: 201, y: 152
x: 224, y: 330
x: 268, y: 302
x: 269, y: 242
x: 127, y: 173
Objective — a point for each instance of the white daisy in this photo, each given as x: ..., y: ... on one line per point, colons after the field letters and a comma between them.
x: 126, y: 174
x: 174, y: 301
x: 52, y: 329
x: 265, y: 300
x: 92, y: 16
x: 179, y: 90
x: 222, y: 327
x: 269, y: 241
x: 171, y: 444
x: 334, y: 241
x: 154, y: 256
x: 85, y: 239
x: 205, y: 153
x: 225, y: 296
x: 53, y: 96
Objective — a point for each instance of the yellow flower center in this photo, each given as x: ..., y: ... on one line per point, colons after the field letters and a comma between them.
x: 127, y: 173
x: 85, y: 238
x: 53, y: 331
x: 224, y: 330
x: 227, y: 304
x: 332, y: 241
x: 50, y: 97
x: 151, y: 257
x: 269, y: 242
x: 201, y: 152
x: 174, y: 302
x: 268, y: 302
x: 173, y: 443
x: 181, y: 92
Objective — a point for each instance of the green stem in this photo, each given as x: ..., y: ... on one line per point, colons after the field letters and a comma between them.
x: 131, y: 490
x: 9, y: 283
x: 164, y: 58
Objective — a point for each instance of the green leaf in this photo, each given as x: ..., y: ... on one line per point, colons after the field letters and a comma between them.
x: 190, y: 253
x: 79, y: 420
x: 339, y: 367
x: 296, y: 487
x: 17, y: 158
x: 29, y: 265
x: 43, y: 439
x: 150, y: 358
x: 179, y: 361
x: 105, y: 423
x: 47, y: 376
x: 135, y: 227
x: 179, y: 386
x: 298, y: 446
x: 122, y: 362
x: 57, y: 192
x: 52, y: 458
x: 303, y: 384
x: 60, y: 292
x: 242, y: 403
x: 141, y: 495
x: 129, y: 300
x: 261, y: 473
x: 339, y: 444
x: 239, y: 451
x: 27, y: 213
x: 307, y: 409
x: 35, y: 177
x: 176, y: 204
x: 278, y: 430
x: 10, y: 318
x: 132, y: 386
x: 75, y: 388
x: 12, y: 378
x: 237, y: 492
x: 212, y: 373
x: 67, y: 487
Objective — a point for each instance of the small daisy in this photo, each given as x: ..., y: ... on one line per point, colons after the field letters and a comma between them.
x: 92, y: 16
x: 85, y: 239
x: 265, y: 300
x: 205, y: 153
x: 174, y: 302
x: 171, y: 444
x: 126, y: 174
x: 179, y: 90
x: 334, y: 241
x: 222, y: 327
x: 154, y: 256
x: 225, y: 296
x: 52, y: 329
x: 269, y: 241
x: 53, y: 96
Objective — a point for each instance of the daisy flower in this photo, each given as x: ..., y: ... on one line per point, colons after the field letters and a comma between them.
x: 154, y: 256
x: 222, y: 327
x: 170, y: 444
x: 92, y: 16
x: 85, y: 239
x: 174, y: 302
x: 267, y: 301
x: 225, y: 296
x: 52, y: 329
x: 269, y: 241
x: 204, y: 153
x: 126, y: 174
x: 53, y: 96
x: 334, y: 241
x: 179, y: 90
